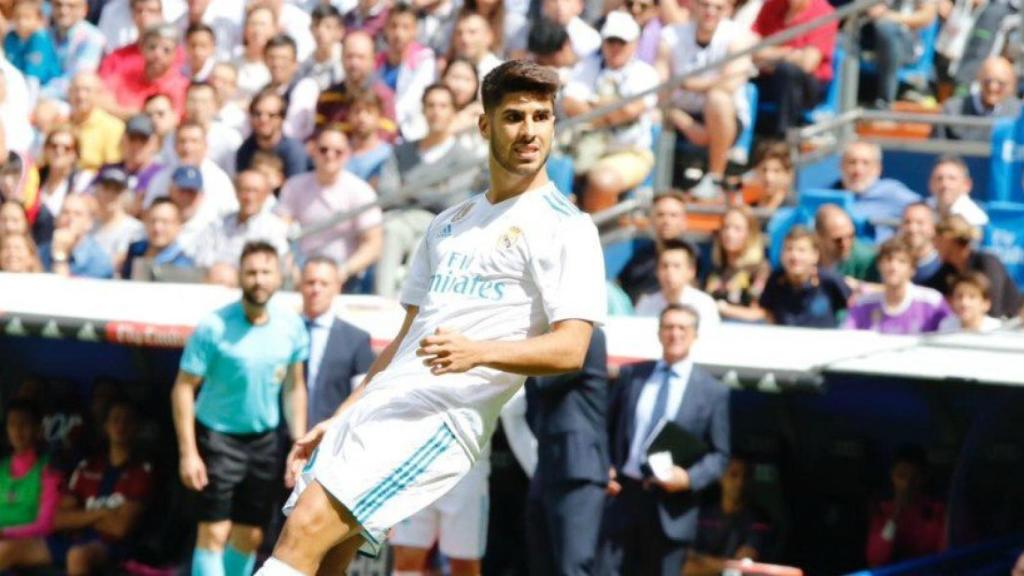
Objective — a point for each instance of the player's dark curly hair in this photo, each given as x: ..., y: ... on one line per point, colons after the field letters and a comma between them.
x: 518, y: 76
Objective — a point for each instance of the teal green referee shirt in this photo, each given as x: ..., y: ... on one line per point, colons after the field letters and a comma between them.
x: 243, y: 367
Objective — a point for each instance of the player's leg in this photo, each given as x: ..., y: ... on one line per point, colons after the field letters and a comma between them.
x: 338, y: 558
x: 412, y: 538
x: 208, y: 555
x: 316, y: 525
x: 253, y: 504
x: 464, y: 513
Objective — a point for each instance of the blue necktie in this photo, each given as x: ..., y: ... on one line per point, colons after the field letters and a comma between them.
x: 660, y: 402
x: 305, y: 364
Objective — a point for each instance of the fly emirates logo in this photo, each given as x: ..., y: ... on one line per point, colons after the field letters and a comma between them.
x: 454, y: 277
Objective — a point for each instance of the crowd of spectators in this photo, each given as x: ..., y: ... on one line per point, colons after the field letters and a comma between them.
x: 150, y: 140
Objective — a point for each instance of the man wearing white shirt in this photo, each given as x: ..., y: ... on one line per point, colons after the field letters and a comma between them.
x: 15, y: 107
x: 190, y: 147
x: 950, y: 186
x: 472, y: 40
x: 197, y: 212
x: 300, y: 94
x: 121, y: 20
x: 293, y: 21
x: 677, y: 267
x: 225, y: 18
x: 624, y: 158
x: 585, y: 40
x: 651, y: 516
x: 223, y: 240
x: 222, y: 142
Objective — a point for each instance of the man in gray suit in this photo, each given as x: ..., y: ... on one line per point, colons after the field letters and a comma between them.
x: 567, y: 491
x: 649, y: 521
x: 340, y: 353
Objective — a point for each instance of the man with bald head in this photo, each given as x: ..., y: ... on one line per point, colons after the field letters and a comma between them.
x: 839, y: 247
x: 73, y: 251
x: 358, y: 59
x: 99, y: 132
x: 994, y: 95
x: 876, y: 199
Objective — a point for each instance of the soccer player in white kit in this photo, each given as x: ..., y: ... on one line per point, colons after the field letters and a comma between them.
x: 504, y: 285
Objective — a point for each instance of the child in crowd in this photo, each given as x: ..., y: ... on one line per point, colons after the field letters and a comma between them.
x: 29, y: 486
x: 677, y: 268
x: 970, y: 301
x: 28, y: 45
x: 901, y: 307
x: 200, y: 51
x: 801, y: 293
x: 773, y: 174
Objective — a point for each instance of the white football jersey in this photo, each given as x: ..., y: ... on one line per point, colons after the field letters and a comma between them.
x: 503, y: 271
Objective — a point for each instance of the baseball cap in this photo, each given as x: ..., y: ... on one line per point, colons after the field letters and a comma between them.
x: 188, y: 178
x: 620, y: 25
x: 140, y: 124
x: 113, y: 175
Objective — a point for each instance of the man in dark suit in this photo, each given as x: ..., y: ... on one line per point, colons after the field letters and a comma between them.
x: 339, y: 352
x: 650, y: 522
x: 567, y: 492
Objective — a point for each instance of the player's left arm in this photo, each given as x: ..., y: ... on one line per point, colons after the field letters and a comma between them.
x: 563, y: 349
x: 297, y: 396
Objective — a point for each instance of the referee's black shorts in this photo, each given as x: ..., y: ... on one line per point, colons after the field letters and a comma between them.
x: 244, y: 474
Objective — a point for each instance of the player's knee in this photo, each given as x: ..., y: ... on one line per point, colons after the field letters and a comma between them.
x: 244, y: 538
x: 604, y: 179
x: 213, y: 535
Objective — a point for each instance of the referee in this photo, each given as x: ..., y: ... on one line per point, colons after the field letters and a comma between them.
x: 244, y: 355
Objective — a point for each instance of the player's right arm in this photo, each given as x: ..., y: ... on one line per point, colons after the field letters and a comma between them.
x: 183, y: 407
x: 303, y: 447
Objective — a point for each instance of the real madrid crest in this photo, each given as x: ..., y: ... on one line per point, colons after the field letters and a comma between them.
x: 509, y: 238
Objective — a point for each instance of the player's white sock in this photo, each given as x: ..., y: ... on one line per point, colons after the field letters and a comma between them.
x: 274, y: 567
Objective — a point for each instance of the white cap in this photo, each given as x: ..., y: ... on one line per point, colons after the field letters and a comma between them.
x: 619, y: 24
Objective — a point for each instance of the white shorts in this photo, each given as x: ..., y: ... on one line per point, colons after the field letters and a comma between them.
x: 457, y: 520
x: 384, y: 464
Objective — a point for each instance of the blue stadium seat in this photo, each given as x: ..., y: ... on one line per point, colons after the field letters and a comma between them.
x: 780, y: 224
x: 813, y: 198
x: 1007, y: 160
x: 560, y: 171
x: 1004, y: 236
x: 829, y: 106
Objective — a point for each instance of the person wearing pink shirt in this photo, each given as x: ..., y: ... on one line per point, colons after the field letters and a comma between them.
x: 329, y: 189
x: 29, y: 489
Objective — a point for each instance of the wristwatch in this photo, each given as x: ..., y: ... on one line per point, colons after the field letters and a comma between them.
x: 59, y: 258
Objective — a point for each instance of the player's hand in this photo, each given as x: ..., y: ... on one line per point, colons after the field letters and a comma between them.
x: 447, y: 351
x: 614, y: 487
x: 679, y: 482
x: 301, y: 451
x: 192, y: 472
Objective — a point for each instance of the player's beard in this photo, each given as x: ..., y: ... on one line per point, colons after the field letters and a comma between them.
x: 253, y: 299
x: 504, y: 158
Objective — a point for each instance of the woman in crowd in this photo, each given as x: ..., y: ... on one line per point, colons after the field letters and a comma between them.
x: 13, y: 219
x: 460, y: 76
x: 260, y: 25
x: 510, y: 28
x: 59, y: 174
x: 18, y: 253
x: 773, y: 174
x: 739, y: 267
x: 31, y: 489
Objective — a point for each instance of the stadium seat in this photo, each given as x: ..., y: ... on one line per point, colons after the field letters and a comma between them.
x: 688, y: 155
x: 920, y: 72
x: 829, y: 106
x: 1007, y: 161
x: 560, y: 171
x: 814, y: 198
x: 1004, y: 236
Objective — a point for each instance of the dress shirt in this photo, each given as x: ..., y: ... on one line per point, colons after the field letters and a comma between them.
x: 319, y: 331
x: 645, y: 404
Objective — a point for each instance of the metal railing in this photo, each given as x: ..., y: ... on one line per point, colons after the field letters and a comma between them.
x: 431, y: 178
